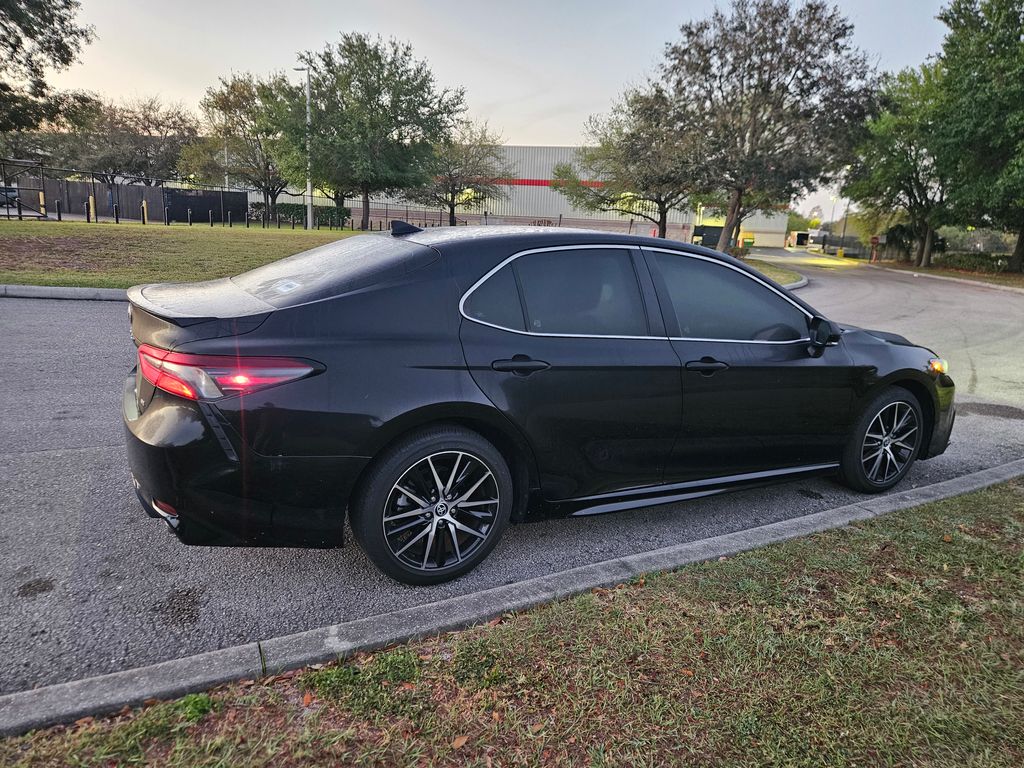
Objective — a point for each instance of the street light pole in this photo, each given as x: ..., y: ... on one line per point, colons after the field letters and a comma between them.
x: 309, y: 161
x: 846, y: 217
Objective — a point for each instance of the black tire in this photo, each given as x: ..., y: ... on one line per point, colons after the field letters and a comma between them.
x: 873, y: 464
x: 424, y: 463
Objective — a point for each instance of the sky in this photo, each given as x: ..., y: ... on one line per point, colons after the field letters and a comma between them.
x: 535, y: 70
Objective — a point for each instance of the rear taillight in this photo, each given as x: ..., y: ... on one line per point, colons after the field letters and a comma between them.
x: 208, y: 377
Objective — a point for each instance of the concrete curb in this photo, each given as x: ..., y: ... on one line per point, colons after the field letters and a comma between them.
x: 26, y: 710
x: 62, y: 292
x: 798, y: 284
x: 965, y: 281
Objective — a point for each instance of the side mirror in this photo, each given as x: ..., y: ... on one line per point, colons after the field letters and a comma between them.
x: 821, y: 333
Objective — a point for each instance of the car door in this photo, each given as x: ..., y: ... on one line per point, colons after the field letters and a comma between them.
x: 754, y: 398
x: 569, y: 344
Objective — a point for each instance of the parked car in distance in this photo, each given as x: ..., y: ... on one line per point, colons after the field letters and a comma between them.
x: 431, y: 386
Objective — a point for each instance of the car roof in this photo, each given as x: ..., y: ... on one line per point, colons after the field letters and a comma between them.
x: 540, y: 237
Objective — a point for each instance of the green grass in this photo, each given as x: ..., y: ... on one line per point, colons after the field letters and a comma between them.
x: 122, y: 255
x: 898, y: 641
x: 779, y: 274
x: 1012, y: 279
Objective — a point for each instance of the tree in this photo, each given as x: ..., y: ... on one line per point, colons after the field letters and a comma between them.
x: 157, y: 134
x: 46, y: 142
x: 36, y: 35
x: 980, y: 144
x: 780, y: 92
x: 642, y: 162
x: 285, y: 105
x: 241, y: 140
x: 376, y: 114
x: 134, y: 141
x: 894, y: 167
x: 464, y: 171
x: 754, y: 201
x: 796, y: 221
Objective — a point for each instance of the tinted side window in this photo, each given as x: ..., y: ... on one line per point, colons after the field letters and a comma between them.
x: 585, y: 291
x: 496, y: 301
x: 712, y: 301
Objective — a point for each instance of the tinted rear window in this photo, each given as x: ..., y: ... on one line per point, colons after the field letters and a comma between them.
x: 582, y: 291
x: 333, y: 269
x: 496, y: 302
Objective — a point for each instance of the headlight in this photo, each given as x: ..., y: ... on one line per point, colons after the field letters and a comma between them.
x: 938, y: 365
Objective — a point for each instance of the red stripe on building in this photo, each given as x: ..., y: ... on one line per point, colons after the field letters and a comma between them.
x: 540, y: 183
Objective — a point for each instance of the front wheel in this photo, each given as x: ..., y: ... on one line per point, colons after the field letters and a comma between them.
x: 885, y: 442
x: 433, y: 506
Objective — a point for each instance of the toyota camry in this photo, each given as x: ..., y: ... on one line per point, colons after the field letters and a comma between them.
x: 430, y: 386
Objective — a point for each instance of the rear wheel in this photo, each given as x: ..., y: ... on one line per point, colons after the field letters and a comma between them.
x: 885, y: 442
x: 434, y: 506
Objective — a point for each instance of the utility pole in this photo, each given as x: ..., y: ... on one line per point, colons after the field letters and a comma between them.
x: 309, y: 161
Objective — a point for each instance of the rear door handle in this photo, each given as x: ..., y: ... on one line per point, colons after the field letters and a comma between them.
x: 706, y: 366
x: 521, y: 365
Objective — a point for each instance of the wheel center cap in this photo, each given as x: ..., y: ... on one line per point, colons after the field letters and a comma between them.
x: 887, y: 441
x: 441, y: 509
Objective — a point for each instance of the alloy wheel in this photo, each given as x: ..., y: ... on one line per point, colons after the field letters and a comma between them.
x: 890, y: 442
x: 441, y: 510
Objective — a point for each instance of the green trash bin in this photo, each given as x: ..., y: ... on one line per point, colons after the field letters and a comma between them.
x: 748, y: 242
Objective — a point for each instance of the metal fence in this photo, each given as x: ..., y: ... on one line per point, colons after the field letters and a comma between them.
x: 32, y: 190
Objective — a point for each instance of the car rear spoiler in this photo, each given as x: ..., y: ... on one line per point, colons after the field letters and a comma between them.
x: 186, y: 304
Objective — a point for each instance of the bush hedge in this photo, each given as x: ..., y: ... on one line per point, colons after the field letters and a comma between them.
x: 990, y: 263
x: 324, y: 213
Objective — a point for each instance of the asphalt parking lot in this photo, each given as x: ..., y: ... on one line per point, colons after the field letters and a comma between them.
x: 89, y: 584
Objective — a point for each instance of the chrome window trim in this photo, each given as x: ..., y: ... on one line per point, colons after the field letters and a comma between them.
x: 805, y: 340
x: 596, y: 246
x: 621, y: 247
x: 755, y: 278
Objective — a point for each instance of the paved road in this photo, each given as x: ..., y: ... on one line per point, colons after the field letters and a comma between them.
x: 977, y: 328
x: 89, y: 584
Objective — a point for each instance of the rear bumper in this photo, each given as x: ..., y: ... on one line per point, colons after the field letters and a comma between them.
x: 185, y: 459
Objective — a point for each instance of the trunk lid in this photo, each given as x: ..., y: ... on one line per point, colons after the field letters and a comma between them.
x: 171, y: 314
x: 167, y: 315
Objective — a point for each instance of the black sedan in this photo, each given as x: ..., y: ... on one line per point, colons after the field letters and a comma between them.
x: 431, y: 386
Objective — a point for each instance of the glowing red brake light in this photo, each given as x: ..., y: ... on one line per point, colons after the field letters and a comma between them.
x: 208, y: 377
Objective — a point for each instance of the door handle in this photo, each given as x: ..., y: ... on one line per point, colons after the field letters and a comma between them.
x: 706, y: 366
x: 520, y: 365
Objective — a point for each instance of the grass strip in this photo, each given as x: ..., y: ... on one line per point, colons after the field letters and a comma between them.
x: 895, y: 641
x: 1012, y: 279
x: 779, y: 274
x: 121, y: 255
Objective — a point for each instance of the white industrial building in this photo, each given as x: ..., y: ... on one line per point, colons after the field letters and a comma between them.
x: 532, y: 200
